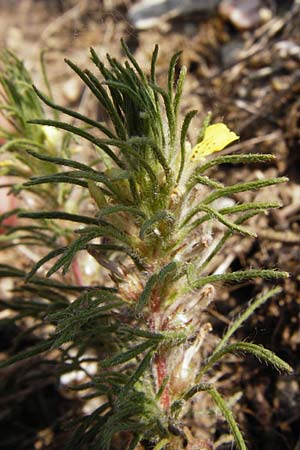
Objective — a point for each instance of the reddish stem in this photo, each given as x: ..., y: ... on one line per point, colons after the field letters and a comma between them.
x: 7, y: 202
x: 77, y: 272
x: 161, y: 368
x: 160, y: 358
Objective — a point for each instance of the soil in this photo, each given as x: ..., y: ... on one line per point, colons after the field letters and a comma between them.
x: 250, y: 79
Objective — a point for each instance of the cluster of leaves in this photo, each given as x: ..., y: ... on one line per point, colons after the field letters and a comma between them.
x: 19, y: 104
x: 154, y: 210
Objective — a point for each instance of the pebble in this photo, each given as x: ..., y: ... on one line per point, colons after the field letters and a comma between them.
x: 148, y: 13
x: 287, y: 49
x: 72, y: 89
x: 244, y: 14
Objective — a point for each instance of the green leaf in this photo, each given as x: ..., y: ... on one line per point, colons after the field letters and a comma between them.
x: 213, y: 213
x: 44, y: 260
x: 243, y: 187
x: 142, y: 367
x: 236, y: 159
x: 61, y: 216
x: 74, y: 114
x: 198, y: 179
x: 238, y: 322
x: 36, y: 350
x: 100, y: 93
x: 226, y: 412
x: 66, y: 259
x: 146, y: 294
x: 62, y: 161
x: 240, y: 276
x: 226, y: 236
x: 204, y: 125
x: 171, y: 73
x: 258, y: 351
x: 129, y: 354
x: 184, y: 130
x: 82, y: 133
x: 179, y: 90
x: 160, y: 216
x: 97, y: 249
x: 156, y: 278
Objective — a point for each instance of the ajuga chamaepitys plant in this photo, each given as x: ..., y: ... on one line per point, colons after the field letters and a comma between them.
x: 156, y: 226
x: 18, y: 104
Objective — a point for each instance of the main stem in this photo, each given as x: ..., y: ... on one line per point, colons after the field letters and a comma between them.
x: 160, y: 357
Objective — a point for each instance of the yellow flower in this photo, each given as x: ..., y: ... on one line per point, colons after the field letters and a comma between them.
x: 216, y: 138
x: 5, y: 166
x: 5, y: 163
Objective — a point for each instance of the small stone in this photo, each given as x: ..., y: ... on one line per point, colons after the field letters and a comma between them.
x: 265, y: 14
x: 149, y: 13
x: 243, y: 14
x: 72, y: 90
x: 14, y: 38
x: 287, y: 48
x: 281, y: 83
x: 231, y: 51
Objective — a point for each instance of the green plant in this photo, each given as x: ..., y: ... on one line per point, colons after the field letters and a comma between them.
x: 155, y: 211
x: 18, y: 105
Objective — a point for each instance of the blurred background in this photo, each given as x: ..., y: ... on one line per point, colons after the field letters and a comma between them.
x: 243, y: 61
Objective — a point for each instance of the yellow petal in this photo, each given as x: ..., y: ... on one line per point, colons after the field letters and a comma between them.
x: 5, y: 163
x: 216, y: 138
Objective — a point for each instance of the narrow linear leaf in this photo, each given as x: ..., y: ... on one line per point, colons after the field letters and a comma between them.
x: 143, y: 366
x: 239, y: 276
x: 184, y: 130
x: 227, y: 235
x: 158, y: 217
x: 146, y: 294
x: 82, y: 133
x: 59, y: 178
x: 156, y: 151
x: 250, y: 206
x: 238, y: 322
x: 171, y: 73
x: 258, y: 351
x: 66, y: 259
x: 167, y: 270
x: 100, y: 93
x: 134, y: 62
x: 125, y: 329
x: 96, y: 251
x: 243, y: 187
x: 205, y: 124
x: 74, y: 114
x: 198, y: 179
x: 213, y: 213
x: 8, y: 214
x: 62, y: 216
x: 36, y: 350
x: 179, y: 90
x: 162, y: 387
x: 226, y: 412
x: 152, y: 281
x: 236, y: 159
x: 128, y: 355
x: 62, y: 161
x: 44, y: 260
x: 153, y: 63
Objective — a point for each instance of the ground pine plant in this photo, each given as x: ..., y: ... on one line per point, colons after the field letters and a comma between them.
x: 158, y: 222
